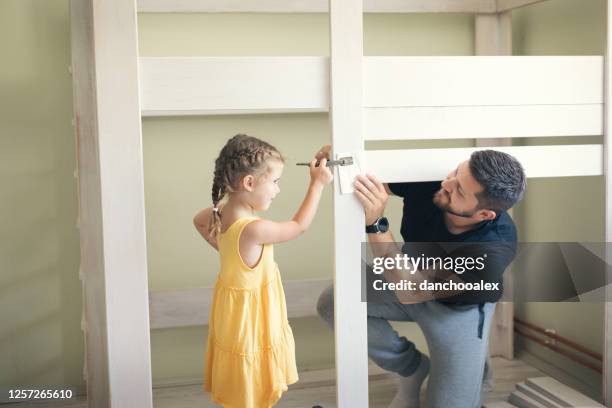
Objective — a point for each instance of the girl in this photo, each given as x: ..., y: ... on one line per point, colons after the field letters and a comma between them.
x: 250, y: 358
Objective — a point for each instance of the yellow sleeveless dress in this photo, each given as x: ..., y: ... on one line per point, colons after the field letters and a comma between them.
x: 250, y: 358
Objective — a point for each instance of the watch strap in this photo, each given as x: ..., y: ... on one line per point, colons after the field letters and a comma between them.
x: 372, y: 228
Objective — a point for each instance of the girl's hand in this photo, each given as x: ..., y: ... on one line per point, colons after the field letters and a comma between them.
x: 320, y: 174
x: 202, y: 223
x: 324, y: 152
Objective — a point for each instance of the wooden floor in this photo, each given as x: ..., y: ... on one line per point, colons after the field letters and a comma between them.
x: 317, y: 388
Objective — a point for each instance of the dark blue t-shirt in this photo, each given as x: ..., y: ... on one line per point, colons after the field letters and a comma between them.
x: 423, y: 221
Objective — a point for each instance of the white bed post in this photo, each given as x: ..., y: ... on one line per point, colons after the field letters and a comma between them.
x: 111, y: 203
x: 493, y: 36
x: 607, y: 164
x: 346, y: 106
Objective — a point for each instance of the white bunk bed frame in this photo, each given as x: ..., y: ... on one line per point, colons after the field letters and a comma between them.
x: 490, y: 97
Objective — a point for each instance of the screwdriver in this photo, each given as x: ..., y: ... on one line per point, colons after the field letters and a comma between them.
x: 343, y: 161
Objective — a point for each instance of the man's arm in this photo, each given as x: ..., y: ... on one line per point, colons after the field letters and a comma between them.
x: 373, y: 195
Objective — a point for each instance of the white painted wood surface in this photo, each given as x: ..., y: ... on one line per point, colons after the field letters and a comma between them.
x: 435, y: 164
x: 475, y: 122
x: 506, y: 5
x: 219, y: 85
x: 191, y: 307
x: 561, y: 393
x: 607, y: 163
x: 499, y: 404
x: 314, y: 6
x: 493, y: 36
x: 487, y: 80
x: 534, y: 394
x: 346, y: 106
x: 422, y: 97
x: 320, y: 6
x: 111, y: 203
x: 520, y: 399
x: 96, y: 359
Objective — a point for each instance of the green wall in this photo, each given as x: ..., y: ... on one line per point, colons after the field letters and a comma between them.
x: 40, y: 294
x: 563, y: 209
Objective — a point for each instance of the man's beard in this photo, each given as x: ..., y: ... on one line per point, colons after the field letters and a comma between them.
x: 437, y: 200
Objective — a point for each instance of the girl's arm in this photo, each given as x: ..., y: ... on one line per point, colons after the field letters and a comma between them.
x: 202, y: 222
x: 270, y: 232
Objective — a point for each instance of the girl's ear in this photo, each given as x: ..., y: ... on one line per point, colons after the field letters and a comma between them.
x: 248, y: 182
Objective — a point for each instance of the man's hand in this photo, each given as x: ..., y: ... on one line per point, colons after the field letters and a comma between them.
x: 372, y: 195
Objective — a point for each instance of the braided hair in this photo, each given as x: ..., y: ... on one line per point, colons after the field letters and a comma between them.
x: 242, y: 155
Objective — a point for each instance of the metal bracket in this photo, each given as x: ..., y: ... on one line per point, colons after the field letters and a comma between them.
x: 551, y: 341
x: 349, y: 166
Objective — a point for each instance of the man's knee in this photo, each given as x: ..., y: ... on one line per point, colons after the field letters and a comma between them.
x: 325, y: 305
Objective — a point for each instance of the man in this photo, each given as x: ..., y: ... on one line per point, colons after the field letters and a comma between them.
x: 468, y: 207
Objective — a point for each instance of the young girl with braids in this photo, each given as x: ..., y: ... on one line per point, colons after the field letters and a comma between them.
x: 250, y: 358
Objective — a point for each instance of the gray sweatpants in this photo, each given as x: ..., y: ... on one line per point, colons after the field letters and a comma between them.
x: 457, y: 354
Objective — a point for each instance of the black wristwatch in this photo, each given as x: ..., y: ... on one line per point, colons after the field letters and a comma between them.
x: 380, y: 226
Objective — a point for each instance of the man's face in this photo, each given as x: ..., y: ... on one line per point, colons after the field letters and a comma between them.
x: 457, y: 194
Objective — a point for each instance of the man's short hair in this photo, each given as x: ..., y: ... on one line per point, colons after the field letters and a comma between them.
x: 501, y: 176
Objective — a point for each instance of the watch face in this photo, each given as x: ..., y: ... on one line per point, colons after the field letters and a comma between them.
x: 383, y: 224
